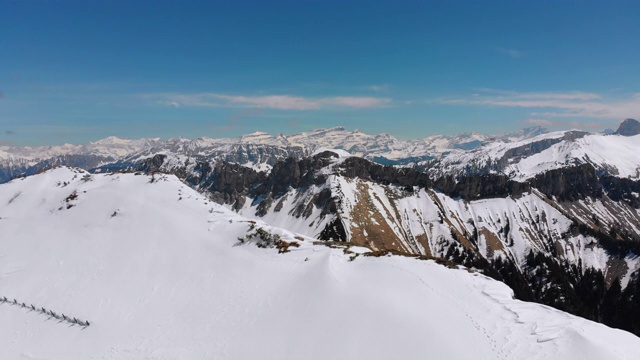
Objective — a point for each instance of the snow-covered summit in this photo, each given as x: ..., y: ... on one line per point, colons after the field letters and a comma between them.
x: 159, y: 272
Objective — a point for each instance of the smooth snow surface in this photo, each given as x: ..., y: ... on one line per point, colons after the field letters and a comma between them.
x: 158, y: 271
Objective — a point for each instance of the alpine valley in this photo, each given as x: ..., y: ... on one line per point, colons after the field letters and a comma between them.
x: 325, y: 244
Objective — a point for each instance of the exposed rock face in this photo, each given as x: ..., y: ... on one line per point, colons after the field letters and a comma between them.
x: 152, y: 164
x: 225, y: 183
x: 622, y: 190
x: 629, y: 127
x: 295, y: 173
x: 569, y: 184
x: 356, y: 167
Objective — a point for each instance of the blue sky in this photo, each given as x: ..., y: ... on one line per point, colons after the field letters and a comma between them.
x: 80, y: 71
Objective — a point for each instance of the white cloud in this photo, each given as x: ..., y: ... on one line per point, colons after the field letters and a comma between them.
x: 557, y: 105
x: 279, y: 102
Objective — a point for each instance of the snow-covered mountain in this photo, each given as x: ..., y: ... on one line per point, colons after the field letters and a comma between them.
x: 382, y: 145
x: 556, y: 216
x: 111, y: 146
x: 161, y: 272
x: 610, y: 154
x: 16, y: 161
x: 614, y: 155
x: 520, y: 155
x: 259, y: 150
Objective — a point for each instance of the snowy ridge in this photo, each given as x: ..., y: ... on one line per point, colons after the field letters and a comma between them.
x: 613, y: 155
x: 161, y: 273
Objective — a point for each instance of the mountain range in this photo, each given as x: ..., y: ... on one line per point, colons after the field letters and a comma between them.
x: 259, y: 150
x: 553, y: 215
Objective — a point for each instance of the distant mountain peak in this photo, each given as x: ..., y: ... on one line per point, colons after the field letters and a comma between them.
x: 110, y: 140
x: 629, y: 127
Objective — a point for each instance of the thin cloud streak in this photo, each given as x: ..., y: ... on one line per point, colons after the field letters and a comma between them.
x: 513, y: 53
x: 278, y: 102
x: 559, y: 105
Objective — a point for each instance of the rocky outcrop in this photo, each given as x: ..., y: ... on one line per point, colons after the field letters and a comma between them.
x: 569, y: 184
x: 295, y: 173
x: 355, y: 167
x: 621, y: 189
x: 152, y: 164
x: 225, y: 183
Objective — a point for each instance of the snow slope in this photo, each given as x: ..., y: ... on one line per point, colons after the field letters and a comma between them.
x: 614, y: 155
x: 159, y: 272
